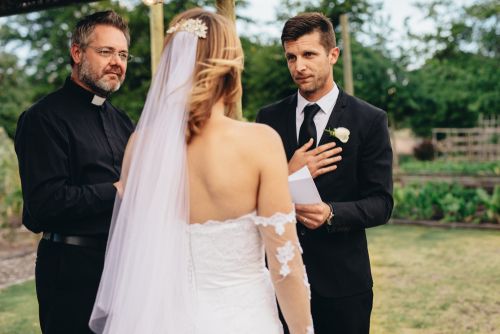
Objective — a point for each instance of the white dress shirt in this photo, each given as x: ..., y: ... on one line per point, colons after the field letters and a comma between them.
x: 326, y: 103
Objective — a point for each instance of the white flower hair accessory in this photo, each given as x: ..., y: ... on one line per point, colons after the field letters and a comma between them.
x: 341, y: 133
x: 194, y: 26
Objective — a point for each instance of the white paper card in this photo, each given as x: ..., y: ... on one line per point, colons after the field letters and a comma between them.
x: 302, y: 187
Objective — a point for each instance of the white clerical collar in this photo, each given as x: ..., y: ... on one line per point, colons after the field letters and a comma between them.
x: 98, y: 101
x: 326, y: 102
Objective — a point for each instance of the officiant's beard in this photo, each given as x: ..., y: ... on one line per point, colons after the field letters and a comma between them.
x: 97, y: 81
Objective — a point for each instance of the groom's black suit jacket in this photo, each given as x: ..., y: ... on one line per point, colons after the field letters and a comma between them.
x: 360, y: 190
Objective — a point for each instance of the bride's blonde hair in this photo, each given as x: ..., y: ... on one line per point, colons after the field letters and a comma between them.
x: 219, y: 62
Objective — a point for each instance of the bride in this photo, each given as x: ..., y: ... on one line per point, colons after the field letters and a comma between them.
x: 202, y: 198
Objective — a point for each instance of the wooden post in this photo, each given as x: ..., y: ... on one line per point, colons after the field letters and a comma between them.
x: 392, y: 136
x: 156, y: 33
x: 226, y: 9
x: 346, y: 41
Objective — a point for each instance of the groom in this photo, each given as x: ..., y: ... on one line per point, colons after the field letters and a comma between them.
x: 356, y: 187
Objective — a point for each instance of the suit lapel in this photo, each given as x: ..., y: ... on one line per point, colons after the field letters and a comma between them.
x: 335, y: 116
x: 291, y: 127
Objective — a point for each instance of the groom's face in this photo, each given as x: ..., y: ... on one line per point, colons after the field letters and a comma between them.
x: 310, y: 65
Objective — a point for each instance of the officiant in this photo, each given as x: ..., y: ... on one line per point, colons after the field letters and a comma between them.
x: 70, y: 147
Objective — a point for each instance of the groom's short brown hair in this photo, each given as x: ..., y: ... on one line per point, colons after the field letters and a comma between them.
x: 307, y: 23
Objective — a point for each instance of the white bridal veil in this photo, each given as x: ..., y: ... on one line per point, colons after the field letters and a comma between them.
x: 146, y: 282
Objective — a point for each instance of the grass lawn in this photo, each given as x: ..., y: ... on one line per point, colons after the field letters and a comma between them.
x: 19, y: 310
x: 435, y: 280
x: 426, y: 281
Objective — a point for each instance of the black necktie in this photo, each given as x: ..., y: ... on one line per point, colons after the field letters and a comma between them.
x: 308, y: 128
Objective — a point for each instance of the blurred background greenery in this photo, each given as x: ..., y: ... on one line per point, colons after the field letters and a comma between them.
x: 455, y: 81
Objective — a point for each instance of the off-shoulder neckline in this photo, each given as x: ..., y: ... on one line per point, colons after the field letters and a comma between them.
x: 252, y: 214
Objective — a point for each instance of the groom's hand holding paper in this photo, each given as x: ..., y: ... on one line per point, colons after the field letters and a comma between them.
x: 302, y: 187
x: 310, y: 209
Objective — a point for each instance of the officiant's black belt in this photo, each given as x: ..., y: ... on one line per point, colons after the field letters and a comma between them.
x: 75, y: 240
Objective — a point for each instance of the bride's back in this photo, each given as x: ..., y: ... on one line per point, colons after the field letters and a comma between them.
x: 224, y: 161
x: 230, y: 163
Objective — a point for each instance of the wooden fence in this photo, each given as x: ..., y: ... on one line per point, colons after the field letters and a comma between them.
x: 481, y: 143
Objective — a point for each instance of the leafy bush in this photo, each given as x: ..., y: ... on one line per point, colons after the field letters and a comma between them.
x: 446, y: 202
x: 425, y: 150
x: 450, y: 167
x: 10, y: 184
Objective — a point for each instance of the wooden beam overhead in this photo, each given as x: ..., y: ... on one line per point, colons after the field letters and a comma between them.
x: 13, y: 7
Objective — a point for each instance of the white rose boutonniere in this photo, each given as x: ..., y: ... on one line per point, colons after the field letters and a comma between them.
x: 341, y: 133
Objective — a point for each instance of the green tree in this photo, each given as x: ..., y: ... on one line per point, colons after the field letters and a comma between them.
x: 359, y: 10
x: 473, y: 28
x: 266, y: 78
x: 452, y: 92
x: 15, y: 93
x: 10, y: 184
x: 459, y: 81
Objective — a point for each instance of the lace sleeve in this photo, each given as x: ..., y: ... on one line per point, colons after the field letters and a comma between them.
x: 287, y: 270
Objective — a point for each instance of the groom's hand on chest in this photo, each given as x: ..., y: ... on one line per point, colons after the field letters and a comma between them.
x: 320, y: 160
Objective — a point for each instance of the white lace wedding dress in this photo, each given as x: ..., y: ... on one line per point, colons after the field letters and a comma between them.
x: 234, y: 289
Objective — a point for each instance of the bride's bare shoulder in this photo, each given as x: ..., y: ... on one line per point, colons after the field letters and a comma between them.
x: 261, y: 137
x: 259, y: 132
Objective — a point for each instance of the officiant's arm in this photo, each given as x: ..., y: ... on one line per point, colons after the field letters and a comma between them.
x: 375, y: 175
x: 127, y: 159
x: 49, y: 195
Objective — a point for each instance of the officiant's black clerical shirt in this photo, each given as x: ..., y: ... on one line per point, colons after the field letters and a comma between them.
x: 70, y: 147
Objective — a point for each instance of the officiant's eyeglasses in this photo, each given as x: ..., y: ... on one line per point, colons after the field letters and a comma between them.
x: 109, y: 52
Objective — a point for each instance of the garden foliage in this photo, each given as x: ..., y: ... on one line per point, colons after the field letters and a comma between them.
x: 10, y: 184
x: 451, y: 167
x: 446, y: 202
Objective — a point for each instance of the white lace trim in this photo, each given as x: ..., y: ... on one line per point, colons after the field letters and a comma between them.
x: 284, y: 255
x: 306, y: 283
x: 278, y: 220
x: 247, y: 218
x: 300, y: 247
